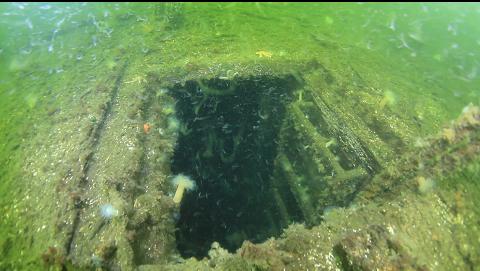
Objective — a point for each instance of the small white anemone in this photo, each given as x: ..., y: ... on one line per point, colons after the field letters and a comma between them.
x: 389, y: 99
x: 182, y: 182
x: 107, y: 211
x: 425, y: 185
x: 173, y: 124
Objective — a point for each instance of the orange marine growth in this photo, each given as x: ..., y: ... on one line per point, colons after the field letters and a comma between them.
x: 146, y: 128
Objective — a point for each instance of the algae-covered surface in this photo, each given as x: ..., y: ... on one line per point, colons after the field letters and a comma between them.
x: 239, y: 136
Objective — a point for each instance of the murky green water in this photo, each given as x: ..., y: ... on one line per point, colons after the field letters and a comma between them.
x: 282, y: 114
